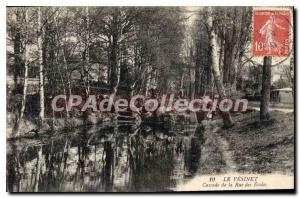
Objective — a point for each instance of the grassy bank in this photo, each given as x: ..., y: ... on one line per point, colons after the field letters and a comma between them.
x: 262, y: 147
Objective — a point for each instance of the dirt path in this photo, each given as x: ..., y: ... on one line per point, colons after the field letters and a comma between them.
x: 226, y: 153
x: 246, y: 148
x: 284, y: 110
x: 216, y: 157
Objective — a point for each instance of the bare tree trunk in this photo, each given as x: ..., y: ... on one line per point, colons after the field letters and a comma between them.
x: 266, y: 89
x: 181, y: 90
x: 192, y: 78
x: 38, y: 169
x: 25, y: 86
x: 40, y: 59
x: 61, y: 46
x: 192, y: 74
x: 233, y: 89
x: 17, y: 49
x: 227, y: 59
x: 222, y: 57
x: 114, y: 54
x: 25, y: 60
x: 148, y: 79
x: 64, y: 90
x: 227, y: 121
x: 86, y: 57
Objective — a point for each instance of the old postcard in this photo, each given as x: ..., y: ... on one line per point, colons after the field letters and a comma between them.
x: 149, y: 99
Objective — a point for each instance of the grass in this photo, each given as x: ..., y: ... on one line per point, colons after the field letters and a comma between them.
x: 262, y: 147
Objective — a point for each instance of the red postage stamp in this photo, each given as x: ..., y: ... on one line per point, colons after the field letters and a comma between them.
x: 271, y: 32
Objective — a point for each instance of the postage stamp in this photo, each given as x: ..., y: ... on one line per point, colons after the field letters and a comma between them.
x: 271, y: 32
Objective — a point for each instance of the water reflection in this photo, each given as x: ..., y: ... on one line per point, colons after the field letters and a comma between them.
x: 105, y: 158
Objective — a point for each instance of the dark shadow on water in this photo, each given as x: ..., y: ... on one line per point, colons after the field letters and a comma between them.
x: 105, y: 158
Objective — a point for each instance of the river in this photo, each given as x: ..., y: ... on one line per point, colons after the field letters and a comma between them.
x: 105, y: 158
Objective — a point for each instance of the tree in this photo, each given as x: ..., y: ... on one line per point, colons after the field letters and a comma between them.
x: 203, y: 66
x: 16, y: 30
x: 41, y: 65
x: 227, y: 121
x: 233, y: 33
x: 19, y: 59
x: 266, y: 89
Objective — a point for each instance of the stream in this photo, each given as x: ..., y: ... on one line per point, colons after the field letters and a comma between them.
x: 104, y: 158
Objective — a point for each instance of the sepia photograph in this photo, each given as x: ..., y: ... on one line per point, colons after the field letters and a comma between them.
x: 150, y: 98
